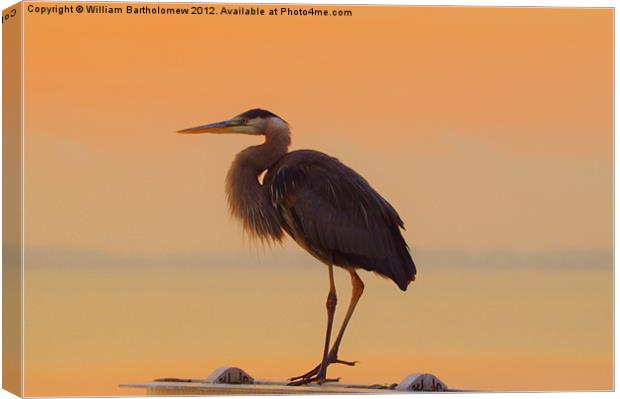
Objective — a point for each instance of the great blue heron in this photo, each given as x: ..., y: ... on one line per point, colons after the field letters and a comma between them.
x: 326, y: 207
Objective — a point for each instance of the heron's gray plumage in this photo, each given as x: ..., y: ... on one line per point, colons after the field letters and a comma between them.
x: 334, y: 213
x: 325, y: 206
x: 247, y: 198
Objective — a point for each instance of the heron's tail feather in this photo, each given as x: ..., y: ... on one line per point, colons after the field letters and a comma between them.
x: 404, y: 270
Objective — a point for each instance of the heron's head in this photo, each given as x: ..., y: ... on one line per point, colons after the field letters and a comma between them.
x: 254, y: 121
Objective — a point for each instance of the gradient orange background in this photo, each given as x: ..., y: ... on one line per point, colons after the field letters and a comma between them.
x: 489, y: 129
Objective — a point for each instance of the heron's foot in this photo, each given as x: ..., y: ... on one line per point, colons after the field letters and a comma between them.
x: 315, y: 371
x: 305, y: 381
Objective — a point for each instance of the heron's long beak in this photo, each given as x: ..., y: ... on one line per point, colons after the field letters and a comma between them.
x: 218, y: 127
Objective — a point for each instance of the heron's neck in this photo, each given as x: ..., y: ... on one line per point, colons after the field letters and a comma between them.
x: 256, y: 159
x: 247, y: 199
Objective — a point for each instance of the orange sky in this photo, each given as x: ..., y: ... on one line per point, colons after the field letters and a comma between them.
x: 494, y: 119
x: 488, y: 129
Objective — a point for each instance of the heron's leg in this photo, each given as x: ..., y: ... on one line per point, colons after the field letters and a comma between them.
x: 332, y: 357
x: 357, y: 290
x: 319, y: 372
x: 331, y: 309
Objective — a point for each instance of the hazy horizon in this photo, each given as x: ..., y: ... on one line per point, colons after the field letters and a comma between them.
x: 287, y: 252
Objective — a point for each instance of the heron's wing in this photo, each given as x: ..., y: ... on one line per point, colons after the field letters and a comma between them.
x: 333, y: 211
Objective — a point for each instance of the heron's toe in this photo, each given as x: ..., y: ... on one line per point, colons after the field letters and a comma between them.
x: 353, y: 363
x: 317, y: 379
x: 309, y: 374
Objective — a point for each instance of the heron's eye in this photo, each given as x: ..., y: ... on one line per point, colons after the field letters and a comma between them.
x: 244, y: 121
